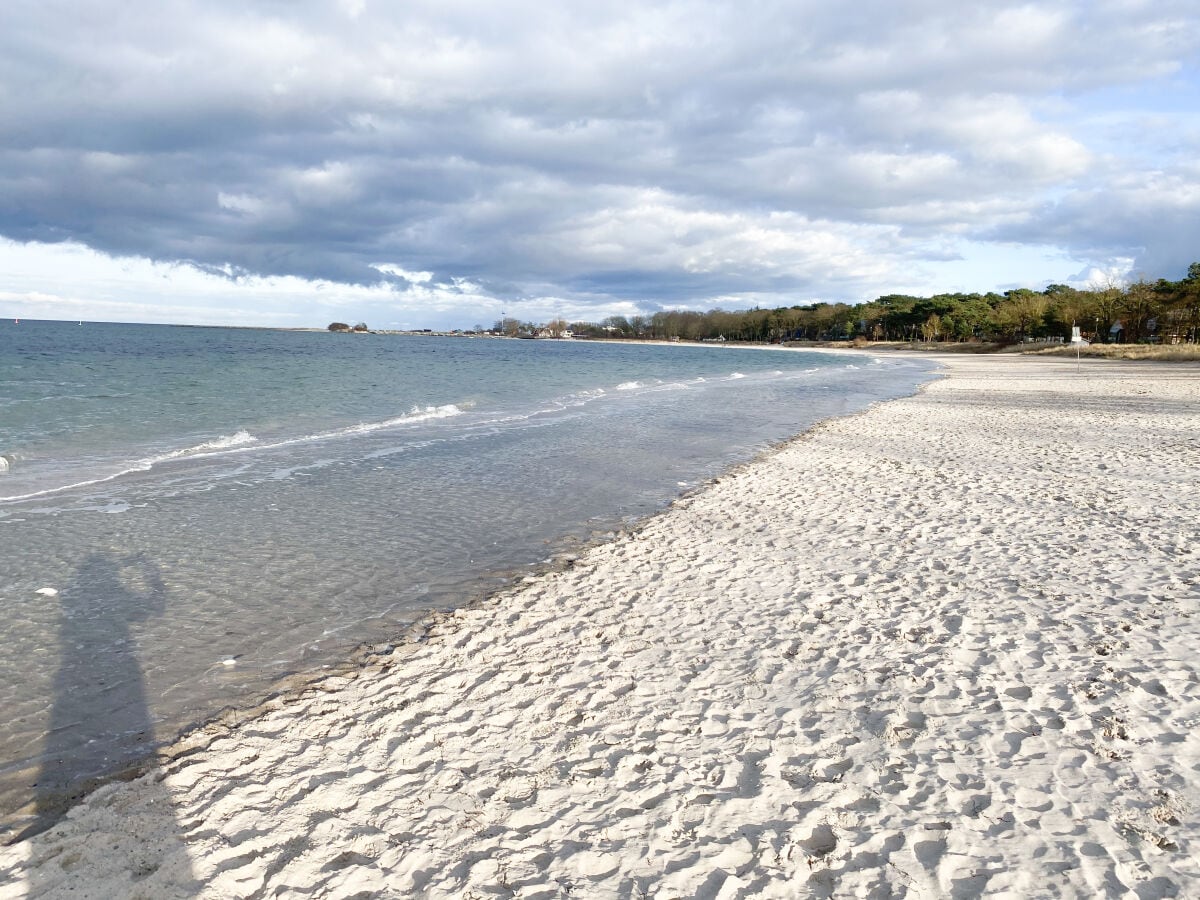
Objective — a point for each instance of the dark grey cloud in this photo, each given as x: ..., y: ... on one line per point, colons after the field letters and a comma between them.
x: 1162, y: 209
x: 656, y: 152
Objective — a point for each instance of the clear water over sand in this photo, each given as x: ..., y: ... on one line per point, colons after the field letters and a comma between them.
x: 215, y: 508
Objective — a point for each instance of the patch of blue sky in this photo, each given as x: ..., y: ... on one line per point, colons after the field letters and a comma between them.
x: 984, y: 266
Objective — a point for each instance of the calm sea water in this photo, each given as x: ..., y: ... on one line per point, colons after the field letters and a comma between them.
x: 187, y: 514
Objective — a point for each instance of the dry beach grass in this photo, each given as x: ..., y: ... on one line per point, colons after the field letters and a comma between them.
x: 943, y: 648
x: 1139, y: 352
x: 1145, y: 352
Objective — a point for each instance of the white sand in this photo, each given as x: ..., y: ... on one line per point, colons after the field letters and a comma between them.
x: 944, y: 648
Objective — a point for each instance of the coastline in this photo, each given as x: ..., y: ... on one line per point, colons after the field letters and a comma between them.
x: 869, y: 659
x: 543, y: 516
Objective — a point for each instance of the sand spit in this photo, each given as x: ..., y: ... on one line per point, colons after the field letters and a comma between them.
x: 943, y: 648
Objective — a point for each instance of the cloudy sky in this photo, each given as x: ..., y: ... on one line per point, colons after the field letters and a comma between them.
x: 437, y: 164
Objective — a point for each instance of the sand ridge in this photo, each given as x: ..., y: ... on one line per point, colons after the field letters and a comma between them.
x: 942, y: 648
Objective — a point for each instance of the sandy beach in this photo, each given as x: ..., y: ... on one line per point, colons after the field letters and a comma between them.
x: 943, y: 648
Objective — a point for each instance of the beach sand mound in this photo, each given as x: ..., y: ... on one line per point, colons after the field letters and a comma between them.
x: 944, y: 648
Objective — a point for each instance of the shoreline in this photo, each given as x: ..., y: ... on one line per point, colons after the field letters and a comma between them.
x: 22, y: 772
x: 729, y: 647
x: 382, y: 652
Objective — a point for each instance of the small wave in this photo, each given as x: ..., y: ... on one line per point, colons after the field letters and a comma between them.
x: 671, y: 386
x: 225, y: 442
x: 242, y: 442
x: 4, y: 464
x: 629, y: 385
x: 417, y: 414
x: 735, y: 376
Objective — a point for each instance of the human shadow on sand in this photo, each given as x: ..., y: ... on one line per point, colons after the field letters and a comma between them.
x: 125, y: 839
x: 100, y: 723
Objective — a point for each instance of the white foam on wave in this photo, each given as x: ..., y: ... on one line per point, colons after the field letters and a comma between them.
x: 3, y: 463
x: 224, y: 442
x: 735, y: 376
x: 579, y: 398
x: 243, y: 441
x: 629, y: 385
x: 671, y: 386
x: 417, y: 414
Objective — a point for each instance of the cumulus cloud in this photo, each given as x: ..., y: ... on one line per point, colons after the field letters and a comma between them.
x: 611, y: 155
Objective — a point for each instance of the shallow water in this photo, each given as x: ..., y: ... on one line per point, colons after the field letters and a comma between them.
x: 216, y: 508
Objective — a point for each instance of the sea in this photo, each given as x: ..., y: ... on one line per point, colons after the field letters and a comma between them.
x: 189, y: 515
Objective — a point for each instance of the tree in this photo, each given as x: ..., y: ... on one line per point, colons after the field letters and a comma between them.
x: 587, y: 329
x: 1181, y: 301
x: 897, y: 319
x: 338, y: 326
x: 617, y: 325
x: 1021, y: 313
x: 1104, y: 303
x: 789, y: 322
x: 508, y: 325
x: 1068, y: 307
x: 974, y: 317
x: 1167, y: 309
x: 1139, y: 307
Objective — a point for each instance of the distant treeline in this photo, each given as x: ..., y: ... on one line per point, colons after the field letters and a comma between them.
x: 1162, y: 311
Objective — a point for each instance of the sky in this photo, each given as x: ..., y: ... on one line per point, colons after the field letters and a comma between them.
x: 443, y: 164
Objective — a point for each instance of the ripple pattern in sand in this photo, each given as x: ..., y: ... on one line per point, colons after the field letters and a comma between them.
x: 941, y: 649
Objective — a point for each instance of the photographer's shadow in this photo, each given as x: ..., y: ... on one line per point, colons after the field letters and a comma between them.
x: 101, y: 729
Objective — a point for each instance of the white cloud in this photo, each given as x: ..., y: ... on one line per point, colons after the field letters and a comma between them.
x: 401, y: 272
x: 71, y: 281
x: 241, y: 203
x: 603, y: 154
